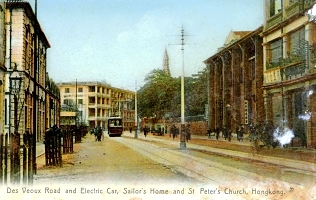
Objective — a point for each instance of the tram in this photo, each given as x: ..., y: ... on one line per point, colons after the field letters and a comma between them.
x: 115, y: 126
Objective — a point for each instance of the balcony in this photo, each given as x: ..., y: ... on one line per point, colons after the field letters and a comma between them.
x: 285, y: 73
x: 309, y: 3
x: 294, y: 8
x: 293, y: 71
x: 274, y: 20
x: 92, y: 118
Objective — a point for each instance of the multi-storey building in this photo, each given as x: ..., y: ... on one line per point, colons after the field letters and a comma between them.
x: 235, y: 82
x: 96, y: 101
x: 289, y: 49
x: 31, y: 100
x: 26, y: 52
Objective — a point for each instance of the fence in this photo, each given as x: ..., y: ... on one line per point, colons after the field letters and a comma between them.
x: 68, y: 142
x: 3, y: 157
x: 53, y: 155
x: 10, y: 158
x: 15, y: 158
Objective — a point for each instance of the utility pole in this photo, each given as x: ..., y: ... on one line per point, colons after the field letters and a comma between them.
x: 183, y: 128
x: 182, y: 136
x: 136, y: 117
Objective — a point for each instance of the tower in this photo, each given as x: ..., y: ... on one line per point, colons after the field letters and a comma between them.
x: 166, y: 63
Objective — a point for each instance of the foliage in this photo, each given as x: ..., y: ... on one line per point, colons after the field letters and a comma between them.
x: 159, y: 95
x: 291, y: 58
x: 196, y: 94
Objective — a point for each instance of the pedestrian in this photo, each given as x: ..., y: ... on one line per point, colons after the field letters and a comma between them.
x: 224, y: 133
x: 209, y: 133
x: 145, y: 131
x: 242, y: 131
x: 130, y: 129
x: 97, y: 134
x: 217, y: 133
x: 188, y: 133
x: 229, y: 134
x: 238, y: 129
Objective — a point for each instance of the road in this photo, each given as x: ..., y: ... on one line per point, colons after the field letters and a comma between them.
x: 151, y: 168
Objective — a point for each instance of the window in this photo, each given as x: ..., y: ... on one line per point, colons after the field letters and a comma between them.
x: 80, y: 89
x: 276, y: 51
x: 67, y: 90
x: 68, y: 102
x: 80, y: 101
x: 246, y: 112
x: 298, y: 44
x: 91, y: 89
x: 275, y: 7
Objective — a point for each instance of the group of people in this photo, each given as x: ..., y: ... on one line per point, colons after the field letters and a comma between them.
x: 227, y: 133
x: 174, y: 131
x: 98, y: 133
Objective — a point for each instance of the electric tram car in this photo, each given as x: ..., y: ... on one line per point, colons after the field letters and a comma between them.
x: 115, y: 126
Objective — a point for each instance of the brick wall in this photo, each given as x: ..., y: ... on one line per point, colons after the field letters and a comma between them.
x: 197, y: 128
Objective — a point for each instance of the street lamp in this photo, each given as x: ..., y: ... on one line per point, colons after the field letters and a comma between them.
x: 15, y: 82
x: 15, y: 87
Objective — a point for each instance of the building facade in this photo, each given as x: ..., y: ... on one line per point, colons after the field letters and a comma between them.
x: 235, y: 82
x: 30, y: 100
x: 268, y: 75
x: 289, y: 48
x: 26, y: 52
x: 96, y: 101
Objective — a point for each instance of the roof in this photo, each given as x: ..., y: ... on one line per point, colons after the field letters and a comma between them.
x: 244, y: 35
x: 235, y: 35
x: 29, y: 11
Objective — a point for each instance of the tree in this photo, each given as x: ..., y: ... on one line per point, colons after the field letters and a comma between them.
x: 196, y: 94
x: 159, y: 95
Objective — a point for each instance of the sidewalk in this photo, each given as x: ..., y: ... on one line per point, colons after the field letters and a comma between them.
x: 303, y: 167
x: 40, y: 149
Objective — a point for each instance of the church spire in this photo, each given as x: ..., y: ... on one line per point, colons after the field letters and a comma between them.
x: 166, y: 63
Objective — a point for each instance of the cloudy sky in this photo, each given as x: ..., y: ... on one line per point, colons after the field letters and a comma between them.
x: 120, y: 41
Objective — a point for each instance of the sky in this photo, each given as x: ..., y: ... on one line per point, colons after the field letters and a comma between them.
x: 121, y: 41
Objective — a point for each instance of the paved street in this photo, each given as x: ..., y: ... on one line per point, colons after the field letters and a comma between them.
x: 155, y: 168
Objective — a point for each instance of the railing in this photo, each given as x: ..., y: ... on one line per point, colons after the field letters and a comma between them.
x: 309, y: 3
x: 274, y: 20
x: 294, y: 9
x: 283, y: 73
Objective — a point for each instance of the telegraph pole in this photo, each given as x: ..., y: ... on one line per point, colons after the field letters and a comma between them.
x: 182, y: 136
x: 136, y: 117
x: 183, y: 128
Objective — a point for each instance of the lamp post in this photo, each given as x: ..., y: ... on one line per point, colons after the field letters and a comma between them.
x: 15, y: 87
x: 15, y: 82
